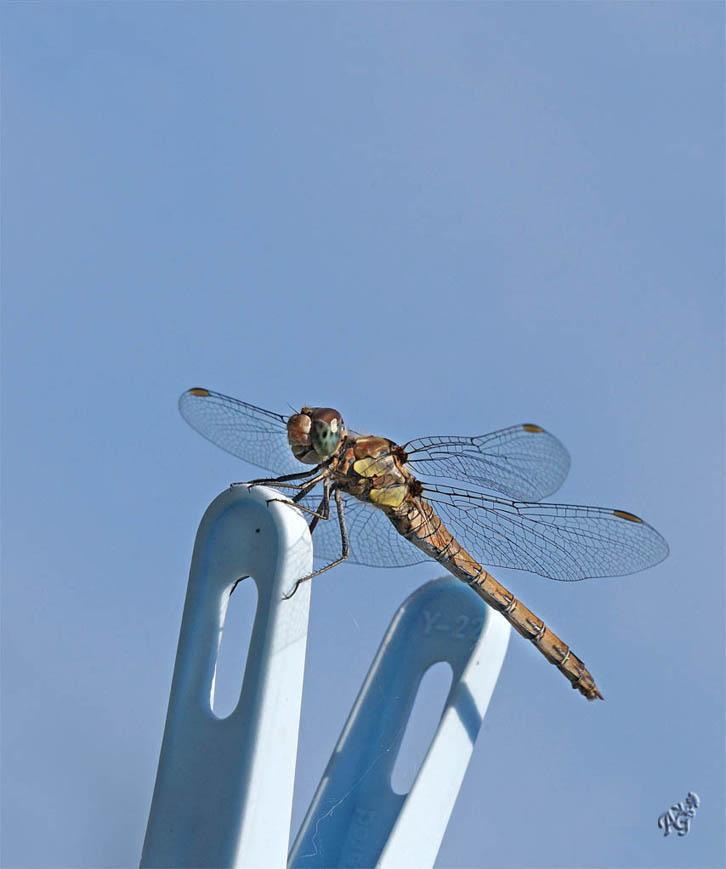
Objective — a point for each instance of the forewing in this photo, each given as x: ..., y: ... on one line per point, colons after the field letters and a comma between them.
x: 560, y: 541
x: 258, y: 436
x: 373, y: 539
x: 524, y: 462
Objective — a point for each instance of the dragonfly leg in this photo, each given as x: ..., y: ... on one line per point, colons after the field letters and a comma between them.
x: 307, y: 487
x: 277, y: 484
x: 323, y: 507
x: 315, y: 513
x: 237, y: 582
x: 323, y: 511
x: 320, y: 513
x: 304, y: 489
x: 343, y: 540
x: 285, y: 478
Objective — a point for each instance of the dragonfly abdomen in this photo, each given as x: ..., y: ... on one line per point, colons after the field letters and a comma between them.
x: 418, y: 522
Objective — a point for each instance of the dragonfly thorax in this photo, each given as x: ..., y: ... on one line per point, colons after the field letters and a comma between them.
x: 315, y: 433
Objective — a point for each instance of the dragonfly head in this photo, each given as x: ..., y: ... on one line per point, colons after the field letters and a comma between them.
x: 315, y: 433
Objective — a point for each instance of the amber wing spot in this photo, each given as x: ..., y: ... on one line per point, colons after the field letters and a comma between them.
x: 623, y: 514
x: 528, y: 426
x: 199, y: 391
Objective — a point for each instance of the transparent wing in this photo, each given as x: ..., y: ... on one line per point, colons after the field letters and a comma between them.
x: 560, y: 541
x: 258, y: 436
x: 373, y: 539
x: 523, y: 462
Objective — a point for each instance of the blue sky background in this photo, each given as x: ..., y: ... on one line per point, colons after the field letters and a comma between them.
x: 436, y: 218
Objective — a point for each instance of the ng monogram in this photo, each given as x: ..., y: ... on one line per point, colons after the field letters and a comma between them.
x: 678, y: 818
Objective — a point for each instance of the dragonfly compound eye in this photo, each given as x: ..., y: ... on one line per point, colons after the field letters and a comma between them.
x: 327, y: 429
x: 298, y: 436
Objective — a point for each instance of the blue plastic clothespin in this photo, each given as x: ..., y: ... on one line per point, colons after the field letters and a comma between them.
x: 356, y: 818
x: 223, y: 792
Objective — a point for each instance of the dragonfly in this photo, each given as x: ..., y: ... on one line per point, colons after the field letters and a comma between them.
x: 462, y: 501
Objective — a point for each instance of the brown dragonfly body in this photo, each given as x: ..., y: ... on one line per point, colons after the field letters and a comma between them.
x: 373, y: 469
x: 371, y: 477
